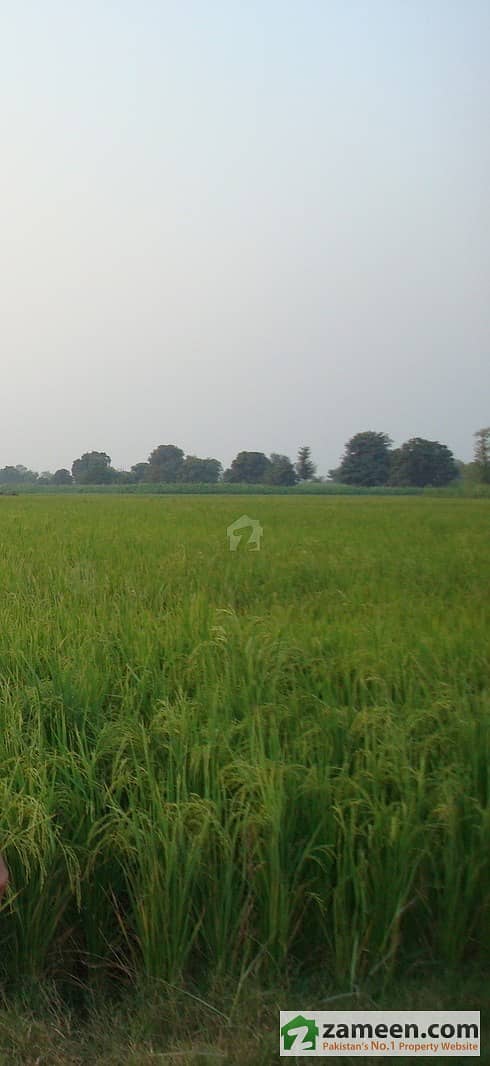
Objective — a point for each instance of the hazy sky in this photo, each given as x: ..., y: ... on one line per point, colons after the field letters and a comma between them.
x: 242, y: 224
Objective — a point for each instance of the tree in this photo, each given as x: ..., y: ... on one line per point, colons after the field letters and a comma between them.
x: 123, y: 477
x: 93, y: 468
x: 28, y: 477
x: 9, y: 475
x: 45, y: 478
x: 205, y: 471
x: 469, y: 473
x: 422, y: 462
x: 482, y: 454
x: 366, y: 460
x: 17, y: 475
x: 62, y: 477
x: 140, y: 472
x: 248, y: 467
x: 280, y: 471
x: 305, y: 468
x: 166, y: 463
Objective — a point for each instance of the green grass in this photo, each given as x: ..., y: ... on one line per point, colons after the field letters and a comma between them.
x: 222, y: 768
x: 152, y: 1024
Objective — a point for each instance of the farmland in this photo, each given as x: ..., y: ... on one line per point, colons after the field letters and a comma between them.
x: 251, y: 766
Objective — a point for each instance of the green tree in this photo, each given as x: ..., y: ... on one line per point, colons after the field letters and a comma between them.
x: 305, y: 467
x: 482, y: 454
x: 17, y: 475
x: 248, y: 467
x: 9, y: 475
x: 366, y: 460
x: 469, y: 473
x: 205, y: 471
x: 140, y: 472
x: 166, y: 463
x: 62, y: 477
x: 123, y: 477
x: 280, y: 471
x: 422, y: 462
x: 93, y: 468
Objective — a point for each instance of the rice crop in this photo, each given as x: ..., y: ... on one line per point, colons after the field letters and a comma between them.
x: 216, y: 763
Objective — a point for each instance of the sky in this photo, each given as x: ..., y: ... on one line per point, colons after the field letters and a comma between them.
x: 237, y: 225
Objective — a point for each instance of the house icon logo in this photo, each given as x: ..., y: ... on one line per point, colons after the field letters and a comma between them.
x: 299, y: 1034
x: 235, y: 534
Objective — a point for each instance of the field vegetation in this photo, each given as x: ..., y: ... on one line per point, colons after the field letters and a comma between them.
x: 243, y: 770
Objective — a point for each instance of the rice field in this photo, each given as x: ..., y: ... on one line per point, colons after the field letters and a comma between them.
x: 218, y: 764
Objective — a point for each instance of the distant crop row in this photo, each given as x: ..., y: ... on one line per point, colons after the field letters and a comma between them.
x: 460, y: 488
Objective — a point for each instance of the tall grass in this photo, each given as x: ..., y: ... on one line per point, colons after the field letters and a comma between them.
x: 215, y: 764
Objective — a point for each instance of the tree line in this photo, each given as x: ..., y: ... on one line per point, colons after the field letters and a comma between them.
x: 167, y: 464
x: 368, y: 460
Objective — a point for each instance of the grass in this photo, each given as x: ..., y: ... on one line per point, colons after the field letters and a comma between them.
x: 152, y: 1025
x: 241, y: 769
